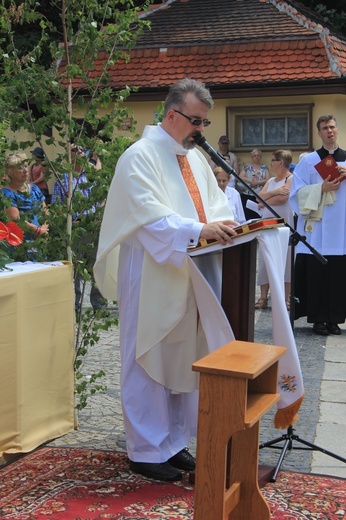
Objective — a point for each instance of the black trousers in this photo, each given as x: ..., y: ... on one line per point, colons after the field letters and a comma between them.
x: 320, y: 289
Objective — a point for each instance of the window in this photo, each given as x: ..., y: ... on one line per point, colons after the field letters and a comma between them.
x: 273, y: 127
x: 274, y: 131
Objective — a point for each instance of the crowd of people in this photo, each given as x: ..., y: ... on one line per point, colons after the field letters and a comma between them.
x: 149, y: 221
x: 25, y: 185
x: 317, y: 203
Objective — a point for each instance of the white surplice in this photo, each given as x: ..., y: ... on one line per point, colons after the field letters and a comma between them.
x: 328, y: 235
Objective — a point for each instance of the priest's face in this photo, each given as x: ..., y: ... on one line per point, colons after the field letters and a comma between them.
x: 184, y: 122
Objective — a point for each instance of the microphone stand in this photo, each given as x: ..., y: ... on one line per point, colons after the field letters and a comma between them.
x: 294, y: 239
x: 220, y: 161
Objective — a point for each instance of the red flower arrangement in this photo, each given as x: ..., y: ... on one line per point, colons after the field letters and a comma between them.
x: 10, y: 235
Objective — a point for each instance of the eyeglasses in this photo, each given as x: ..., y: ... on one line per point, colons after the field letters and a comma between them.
x: 194, y: 121
x: 275, y: 160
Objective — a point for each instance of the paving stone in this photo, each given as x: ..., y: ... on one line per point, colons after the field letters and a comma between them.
x: 321, y: 417
x: 334, y: 371
x: 333, y: 413
x: 333, y: 391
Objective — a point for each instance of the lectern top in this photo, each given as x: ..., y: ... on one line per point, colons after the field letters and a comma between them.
x: 240, y: 359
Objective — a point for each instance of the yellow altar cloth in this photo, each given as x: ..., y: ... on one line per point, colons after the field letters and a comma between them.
x: 36, y: 355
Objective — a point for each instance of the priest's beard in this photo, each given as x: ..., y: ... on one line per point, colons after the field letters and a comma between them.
x: 189, y: 143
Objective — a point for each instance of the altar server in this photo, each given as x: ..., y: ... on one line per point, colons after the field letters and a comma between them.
x: 321, y: 208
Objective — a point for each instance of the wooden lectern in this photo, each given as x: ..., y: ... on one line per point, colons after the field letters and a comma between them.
x: 239, y: 288
x: 239, y: 276
x: 238, y: 384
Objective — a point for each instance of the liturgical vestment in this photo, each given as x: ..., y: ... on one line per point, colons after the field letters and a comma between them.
x: 149, y: 221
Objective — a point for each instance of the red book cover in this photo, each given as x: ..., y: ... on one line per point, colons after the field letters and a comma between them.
x: 328, y: 166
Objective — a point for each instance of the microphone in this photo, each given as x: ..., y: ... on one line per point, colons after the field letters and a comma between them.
x: 217, y: 158
x: 203, y: 143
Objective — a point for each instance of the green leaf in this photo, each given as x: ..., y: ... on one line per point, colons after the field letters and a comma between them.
x: 38, y: 109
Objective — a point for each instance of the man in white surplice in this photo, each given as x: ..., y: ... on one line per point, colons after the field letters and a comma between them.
x: 150, y: 219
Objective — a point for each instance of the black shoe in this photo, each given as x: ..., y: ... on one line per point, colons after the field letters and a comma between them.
x: 333, y: 328
x: 161, y: 471
x: 320, y: 328
x: 183, y: 460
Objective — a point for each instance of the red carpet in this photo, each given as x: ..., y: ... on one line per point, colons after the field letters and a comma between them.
x: 79, y: 484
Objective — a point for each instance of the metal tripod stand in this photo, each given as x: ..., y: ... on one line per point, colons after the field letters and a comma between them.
x: 289, y: 436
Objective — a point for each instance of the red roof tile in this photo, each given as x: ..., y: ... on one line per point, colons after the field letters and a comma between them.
x: 230, y: 41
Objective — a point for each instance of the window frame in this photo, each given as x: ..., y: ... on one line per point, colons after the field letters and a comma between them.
x: 236, y: 114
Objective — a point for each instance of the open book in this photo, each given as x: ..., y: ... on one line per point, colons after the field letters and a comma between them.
x: 250, y: 226
x: 329, y: 166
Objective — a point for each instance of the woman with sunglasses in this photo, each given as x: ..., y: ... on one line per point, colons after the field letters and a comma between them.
x: 25, y: 198
x: 275, y: 193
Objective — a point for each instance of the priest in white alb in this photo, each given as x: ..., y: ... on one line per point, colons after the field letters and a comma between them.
x: 163, y: 199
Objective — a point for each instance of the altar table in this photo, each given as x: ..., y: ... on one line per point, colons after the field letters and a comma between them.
x: 36, y: 355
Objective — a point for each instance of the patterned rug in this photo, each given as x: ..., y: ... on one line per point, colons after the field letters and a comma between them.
x: 80, y: 484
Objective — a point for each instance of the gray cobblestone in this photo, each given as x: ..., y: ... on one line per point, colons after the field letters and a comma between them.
x: 101, y: 423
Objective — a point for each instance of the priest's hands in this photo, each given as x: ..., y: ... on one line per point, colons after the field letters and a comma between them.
x: 221, y: 231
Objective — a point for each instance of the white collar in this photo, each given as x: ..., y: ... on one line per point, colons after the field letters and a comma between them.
x: 161, y: 137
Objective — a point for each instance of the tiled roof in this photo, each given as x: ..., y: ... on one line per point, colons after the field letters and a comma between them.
x: 228, y: 43
x: 216, y: 21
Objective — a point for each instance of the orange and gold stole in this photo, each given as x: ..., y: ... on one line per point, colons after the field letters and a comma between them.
x: 192, y: 186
